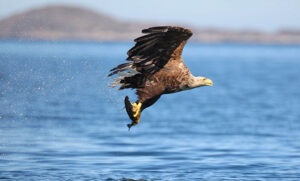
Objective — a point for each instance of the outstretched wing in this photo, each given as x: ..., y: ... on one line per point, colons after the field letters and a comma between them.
x: 152, y: 51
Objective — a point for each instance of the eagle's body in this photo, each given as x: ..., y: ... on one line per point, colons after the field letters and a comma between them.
x: 157, y: 68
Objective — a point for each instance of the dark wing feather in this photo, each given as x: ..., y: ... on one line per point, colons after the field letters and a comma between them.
x: 152, y: 51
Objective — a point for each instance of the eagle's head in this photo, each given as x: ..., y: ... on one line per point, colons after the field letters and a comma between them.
x: 200, y: 81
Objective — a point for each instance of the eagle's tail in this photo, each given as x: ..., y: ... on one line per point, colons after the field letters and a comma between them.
x: 129, y: 77
x: 134, y: 111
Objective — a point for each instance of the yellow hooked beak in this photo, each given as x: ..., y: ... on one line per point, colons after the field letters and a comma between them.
x: 208, y: 82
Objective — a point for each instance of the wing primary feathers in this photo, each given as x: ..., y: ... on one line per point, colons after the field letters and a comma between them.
x: 156, y: 29
x: 148, y: 37
x: 157, y: 46
x: 141, y: 47
x: 119, y: 68
x: 142, y: 60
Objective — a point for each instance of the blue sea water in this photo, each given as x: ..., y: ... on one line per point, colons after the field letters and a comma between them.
x: 59, y: 120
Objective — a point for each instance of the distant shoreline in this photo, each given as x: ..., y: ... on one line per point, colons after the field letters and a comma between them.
x: 132, y: 42
x: 71, y: 23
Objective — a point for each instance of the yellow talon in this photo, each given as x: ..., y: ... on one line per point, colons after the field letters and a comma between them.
x: 137, y: 111
x: 134, y: 105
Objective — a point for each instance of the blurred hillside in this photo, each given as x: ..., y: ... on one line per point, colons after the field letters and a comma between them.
x: 76, y: 23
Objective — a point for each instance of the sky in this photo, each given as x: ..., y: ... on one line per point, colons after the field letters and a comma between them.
x: 263, y: 15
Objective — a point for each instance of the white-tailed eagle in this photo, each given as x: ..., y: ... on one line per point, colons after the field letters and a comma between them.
x: 156, y: 67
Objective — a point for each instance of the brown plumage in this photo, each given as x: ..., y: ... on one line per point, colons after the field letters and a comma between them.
x: 155, y: 68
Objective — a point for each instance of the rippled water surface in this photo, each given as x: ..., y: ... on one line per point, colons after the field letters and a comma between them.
x: 60, y: 121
